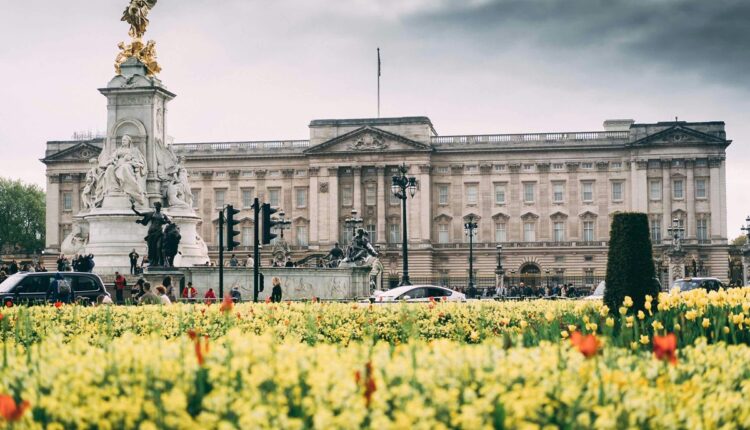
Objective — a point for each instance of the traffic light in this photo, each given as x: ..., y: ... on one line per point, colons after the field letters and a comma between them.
x: 261, y: 281
x: 231, y: 223
x: 266, y: 212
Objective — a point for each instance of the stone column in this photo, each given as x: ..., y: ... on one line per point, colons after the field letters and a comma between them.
x: 425, y: 200
x: 357, y: 190
x: 723, y: 198
x: 666, y: 196
x: 639, y: 188
x: 715, y: 196
x: 315, y: 217
x: 234, y: 196
x: 573, y: 201
x: 382, y: 202
x: 333, y: 204
x: 544, y: 228
x: 691, y: 222
x: 52, y: 214
x: 676, y: 261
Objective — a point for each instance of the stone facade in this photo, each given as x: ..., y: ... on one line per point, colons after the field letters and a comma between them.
x: 547, y: 197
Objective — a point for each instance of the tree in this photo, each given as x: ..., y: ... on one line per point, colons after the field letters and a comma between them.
x: 739, y: 240
x: 22, y: 211
x: 630, y: 264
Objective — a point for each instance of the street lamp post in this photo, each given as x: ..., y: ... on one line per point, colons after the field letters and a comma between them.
x: 399, y: 186
x: 470, y: 226
x: 352, y: 222
x: 675, y: 253
x: 746, y: 254
x: 500, y: 272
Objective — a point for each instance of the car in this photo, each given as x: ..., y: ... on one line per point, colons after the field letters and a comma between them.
x: 417, y: 293
x: 31, y: 287
x: 687, y: 284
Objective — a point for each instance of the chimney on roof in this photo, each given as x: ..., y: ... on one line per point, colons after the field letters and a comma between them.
x: 618, y: 124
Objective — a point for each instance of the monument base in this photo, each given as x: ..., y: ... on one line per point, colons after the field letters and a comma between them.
x: 113, y: 234
x: 297, y: 283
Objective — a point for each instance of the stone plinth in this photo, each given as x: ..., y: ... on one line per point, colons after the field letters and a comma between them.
x: 296, y: 283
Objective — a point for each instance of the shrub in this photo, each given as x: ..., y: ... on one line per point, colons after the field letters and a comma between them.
x: 630, y: 264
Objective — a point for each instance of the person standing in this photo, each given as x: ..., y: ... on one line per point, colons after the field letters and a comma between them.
x: 60, y: 290
x: 133, y: 261
x: 233, y: 262
x: 13, y: 268
x: 168, y: 288
x: 210, y: 296
x: 249, y: 262
x: 162, y: 293
x: 120, y: 283
x: 276, y: 291
x: 137, y: 291
x: 235, y: 294
x: 61, y: 263
x: 189, y: 292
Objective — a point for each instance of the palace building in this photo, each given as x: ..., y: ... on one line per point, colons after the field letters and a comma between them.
x: 548, y: 198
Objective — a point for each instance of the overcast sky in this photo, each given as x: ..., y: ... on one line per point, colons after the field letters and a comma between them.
x: 260, y: 69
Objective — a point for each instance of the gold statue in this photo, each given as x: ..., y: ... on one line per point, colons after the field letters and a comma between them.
x: 136, y: 15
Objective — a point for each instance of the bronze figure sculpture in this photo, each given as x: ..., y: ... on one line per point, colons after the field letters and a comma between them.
x: 155, y: 221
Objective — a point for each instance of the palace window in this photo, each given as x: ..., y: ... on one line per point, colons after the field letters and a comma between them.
x: 528, y: 167
x: 499, y: 167
x: 529, y: 231
x: 442, y: 194
x: 274, y: 196
x: 346, y: 234
x: 617, y: 191
x: 678, y: 189
x: 219, y: 197
x: 701, y: 227
x: 558, y: 166
x: 654, y: 187
x: 394, y: 233
x: 587, y: 191
x: 471, y: 169
x: 656, y: 229
x: 300, y: 234
x: 247, y: 236
x: 471, y: 194
x: 300, y: 197
x: 499, y: 194
x: 67, y: 201
x: 558, y: 192
x: 558, y: 230
x: 700, y: 188
x: 393, y: 200
x: 443, y: 233
x: 346, y: 195
x: 501, y: 234
x: 528, y: 192
x: 587, y: 166
x: 247, y: 198
x: 371, y: 194
x: 371, y: 229
x: 588, y: 231
x: 615, y: 165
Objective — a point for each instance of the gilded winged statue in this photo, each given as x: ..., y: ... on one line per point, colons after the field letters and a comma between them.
x: 136, y: 15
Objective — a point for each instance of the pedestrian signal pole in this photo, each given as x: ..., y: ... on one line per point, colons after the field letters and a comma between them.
x: 221, y: 252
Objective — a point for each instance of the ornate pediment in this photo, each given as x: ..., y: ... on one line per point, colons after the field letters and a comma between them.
x: 368, y: 139
x: 82, y: 151
x: 681, y: 135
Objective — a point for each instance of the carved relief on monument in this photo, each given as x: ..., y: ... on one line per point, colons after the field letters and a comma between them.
x: 323, y: 188
x: 368, y: 142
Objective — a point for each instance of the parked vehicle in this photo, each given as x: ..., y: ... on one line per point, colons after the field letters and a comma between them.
x: 598, y: 293
x: 418, y: 293
x: 687, y: 284
x: 31, y: 288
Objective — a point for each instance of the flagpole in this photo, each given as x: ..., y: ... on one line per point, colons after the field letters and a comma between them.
x: 378, y: 82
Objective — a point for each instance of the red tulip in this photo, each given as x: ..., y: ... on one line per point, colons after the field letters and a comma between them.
x: 587, y: 345
x: 368, y: 383
x: 10, y: 410
x: 58, y: 304
x: 665, y: 348
x: 227, y: 304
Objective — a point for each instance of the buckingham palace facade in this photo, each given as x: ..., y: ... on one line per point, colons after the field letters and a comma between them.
x: 548, y: 198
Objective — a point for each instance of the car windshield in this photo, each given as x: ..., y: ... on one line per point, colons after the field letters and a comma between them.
x: 687, y: 285
x: 10, y: 282
x: 599, y: 291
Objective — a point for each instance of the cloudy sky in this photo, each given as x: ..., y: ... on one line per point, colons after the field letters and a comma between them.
x: 259, y: 69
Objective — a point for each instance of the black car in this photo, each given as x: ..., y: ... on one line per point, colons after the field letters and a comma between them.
x: 31, y: 287
x: 687, y: 284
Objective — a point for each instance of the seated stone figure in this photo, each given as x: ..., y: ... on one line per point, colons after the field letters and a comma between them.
x: 360, y: 248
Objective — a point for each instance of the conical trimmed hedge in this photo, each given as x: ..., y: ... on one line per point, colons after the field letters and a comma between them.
x: 630, y: 264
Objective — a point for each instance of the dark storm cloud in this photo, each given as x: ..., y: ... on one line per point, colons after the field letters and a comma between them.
x: 711, y: 38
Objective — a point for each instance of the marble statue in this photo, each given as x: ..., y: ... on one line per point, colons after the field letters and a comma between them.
x: 75, y: 242
x: 136, y: 15
x: 375, y: 274
x: 93, y: 190
x: 179, y: 195
x: 155, y: 221
x: 126, y: 172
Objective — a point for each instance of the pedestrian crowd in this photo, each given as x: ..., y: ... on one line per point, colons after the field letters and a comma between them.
x: 13, y: 267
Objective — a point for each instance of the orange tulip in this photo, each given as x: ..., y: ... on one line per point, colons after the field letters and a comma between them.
x: 10, y: 410
x: 665, y: 348
x: 587, y: 345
